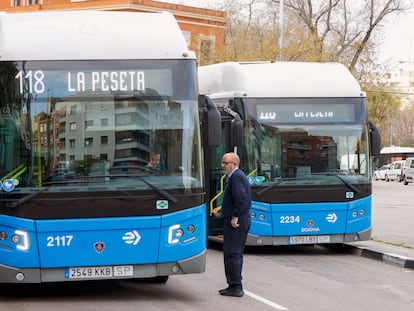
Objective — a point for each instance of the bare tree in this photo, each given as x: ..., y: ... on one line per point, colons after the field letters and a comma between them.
x: 346, y: 31
x: 250, y: 32
x: 343, y: 27
x: 403, y: 127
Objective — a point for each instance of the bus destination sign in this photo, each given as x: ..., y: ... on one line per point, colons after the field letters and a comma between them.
x: 80, y: 81
x: 296, y: 113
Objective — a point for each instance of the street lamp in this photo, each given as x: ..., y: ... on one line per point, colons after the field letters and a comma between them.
x: 281, y: 6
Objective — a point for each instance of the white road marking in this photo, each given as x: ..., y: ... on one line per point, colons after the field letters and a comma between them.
x: 265, y: 301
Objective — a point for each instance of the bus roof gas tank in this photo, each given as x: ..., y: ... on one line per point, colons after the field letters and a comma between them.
x: 98, y: 35
x: 278, y: 79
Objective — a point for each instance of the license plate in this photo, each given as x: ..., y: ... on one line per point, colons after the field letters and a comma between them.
x: 98, y: 272
x: 309, y: 239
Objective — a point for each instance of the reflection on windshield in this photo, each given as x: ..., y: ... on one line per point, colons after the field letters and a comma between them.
x: 81, y: 141
x: 311, y: 153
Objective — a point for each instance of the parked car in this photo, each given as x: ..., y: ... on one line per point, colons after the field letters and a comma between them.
x: 379, y: 174
x: 408, y: 171
x: 395, y: 171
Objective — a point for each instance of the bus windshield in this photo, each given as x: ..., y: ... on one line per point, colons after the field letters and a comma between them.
x: 109, y: 124
x: 294, y: 142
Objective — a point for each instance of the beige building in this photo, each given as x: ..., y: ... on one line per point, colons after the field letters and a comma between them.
x: 401, y: 79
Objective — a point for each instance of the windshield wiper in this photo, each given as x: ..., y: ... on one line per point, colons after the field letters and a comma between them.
x: 25, y: 198
x: 158, y: 189
x: 101, y: 179
x: 259, y: 193
x: 338, y: 175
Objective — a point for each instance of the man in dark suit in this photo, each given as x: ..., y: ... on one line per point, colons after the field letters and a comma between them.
x: 236, y: 222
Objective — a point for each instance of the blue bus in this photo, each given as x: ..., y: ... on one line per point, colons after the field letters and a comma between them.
x: 304, y: 140
x: 101, y: 168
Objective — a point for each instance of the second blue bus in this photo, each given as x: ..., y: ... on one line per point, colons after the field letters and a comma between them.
x: 304, y: 140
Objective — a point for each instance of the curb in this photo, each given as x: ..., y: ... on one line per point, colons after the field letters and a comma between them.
x: 389, y: 258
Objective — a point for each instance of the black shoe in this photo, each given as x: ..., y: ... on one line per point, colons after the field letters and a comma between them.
x: 227, y: 288
x: 234, y: 292
x: 223, y: 290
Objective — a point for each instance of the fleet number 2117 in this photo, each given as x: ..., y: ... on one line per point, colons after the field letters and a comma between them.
x: 59, y: 240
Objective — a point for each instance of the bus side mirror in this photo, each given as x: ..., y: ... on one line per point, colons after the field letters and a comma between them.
x: 237, y: 129
x: 375, y: 139
x: 210, y: 121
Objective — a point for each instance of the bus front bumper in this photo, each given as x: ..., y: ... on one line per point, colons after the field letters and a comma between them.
x: 195, y: 264
x: 256, y: 240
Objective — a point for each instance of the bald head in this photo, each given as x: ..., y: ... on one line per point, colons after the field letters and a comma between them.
x: 229, y: 162
x: 233, y: 157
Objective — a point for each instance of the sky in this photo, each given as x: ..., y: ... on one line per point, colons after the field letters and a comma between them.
x: 398, y: 42
x: 399, y: 38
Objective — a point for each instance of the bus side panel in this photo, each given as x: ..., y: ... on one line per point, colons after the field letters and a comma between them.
x: 173, y: 245
x: 359, y: 215
x: 100, y: 241
x: 23, y: 252
x: 261, y: 219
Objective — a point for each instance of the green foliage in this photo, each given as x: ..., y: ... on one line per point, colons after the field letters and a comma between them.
x: 394, y: 121
x: 381, y: 105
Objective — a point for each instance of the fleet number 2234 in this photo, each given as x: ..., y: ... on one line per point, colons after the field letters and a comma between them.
x: 289, y: 219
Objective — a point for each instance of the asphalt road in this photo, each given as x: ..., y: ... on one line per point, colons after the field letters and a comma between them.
x: 393, y: 212
x: 297, y: 278
x: 279, y: 278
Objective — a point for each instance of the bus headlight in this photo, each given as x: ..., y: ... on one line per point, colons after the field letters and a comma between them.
x: 190, y: 229
x: 174, y: 233
x: 21, y: 239
x: 15, y: 239
x: 179, y: 233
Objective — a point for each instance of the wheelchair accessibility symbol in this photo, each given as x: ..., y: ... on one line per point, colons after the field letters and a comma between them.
x: 8, y: 185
